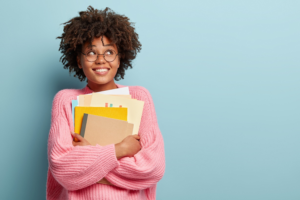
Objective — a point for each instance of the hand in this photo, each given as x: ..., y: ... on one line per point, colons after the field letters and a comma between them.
x: 78, y: 140
x: 128, y: 147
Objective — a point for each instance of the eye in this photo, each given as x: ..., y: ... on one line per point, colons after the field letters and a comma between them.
x: 91, y: 53
x: 109, y: 52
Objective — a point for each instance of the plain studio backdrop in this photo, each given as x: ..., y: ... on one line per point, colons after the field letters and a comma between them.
x: 224, y: 77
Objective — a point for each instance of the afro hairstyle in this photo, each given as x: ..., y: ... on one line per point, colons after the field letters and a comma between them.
x: 96, y: 23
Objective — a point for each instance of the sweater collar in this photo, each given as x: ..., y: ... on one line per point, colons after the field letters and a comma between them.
x: 87, y: 90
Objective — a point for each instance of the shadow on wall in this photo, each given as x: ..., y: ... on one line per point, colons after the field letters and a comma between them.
x: 57, y: 79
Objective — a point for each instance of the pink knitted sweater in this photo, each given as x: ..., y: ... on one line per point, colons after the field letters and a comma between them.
x: 74, y: 171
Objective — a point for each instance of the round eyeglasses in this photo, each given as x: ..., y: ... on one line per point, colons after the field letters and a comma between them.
x: 92, y: 55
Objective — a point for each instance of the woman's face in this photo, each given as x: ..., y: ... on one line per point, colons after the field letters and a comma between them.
x: 100, y: 73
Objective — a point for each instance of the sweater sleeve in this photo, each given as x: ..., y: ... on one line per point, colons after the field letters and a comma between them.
x: 147, y: 167
x: 74, y: 167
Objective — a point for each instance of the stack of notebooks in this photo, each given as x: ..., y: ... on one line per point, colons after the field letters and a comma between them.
x: 107, y: 117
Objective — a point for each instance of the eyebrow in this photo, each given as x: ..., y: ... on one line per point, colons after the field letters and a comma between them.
x: 103, y: 45
x: 91, y: 46
x: 108, y: 45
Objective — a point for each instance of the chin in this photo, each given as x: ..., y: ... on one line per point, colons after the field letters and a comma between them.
x: 102, y: 81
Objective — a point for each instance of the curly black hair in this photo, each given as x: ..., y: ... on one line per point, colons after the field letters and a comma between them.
x: 95, y: 23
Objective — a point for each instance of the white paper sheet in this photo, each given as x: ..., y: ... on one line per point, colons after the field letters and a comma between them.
x: 118, y: 91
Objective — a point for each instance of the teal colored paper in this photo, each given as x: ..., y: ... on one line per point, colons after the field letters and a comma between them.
x: 74, y: 104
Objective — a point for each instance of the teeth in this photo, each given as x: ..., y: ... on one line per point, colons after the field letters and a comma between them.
x: 101, y: 70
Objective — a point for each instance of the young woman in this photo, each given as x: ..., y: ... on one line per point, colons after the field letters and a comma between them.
x: 99, y: 45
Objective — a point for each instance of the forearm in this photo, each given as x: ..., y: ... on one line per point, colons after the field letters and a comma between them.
x: 141, y: 171
x: 136, y: 178
x: 77, y: 167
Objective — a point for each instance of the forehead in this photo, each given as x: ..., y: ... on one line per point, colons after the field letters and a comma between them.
x: 100, y: 42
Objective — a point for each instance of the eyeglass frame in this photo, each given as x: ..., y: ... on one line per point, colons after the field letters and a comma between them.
x: 103, y: 56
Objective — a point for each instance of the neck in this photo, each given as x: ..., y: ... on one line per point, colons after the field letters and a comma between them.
x: 102, y: 87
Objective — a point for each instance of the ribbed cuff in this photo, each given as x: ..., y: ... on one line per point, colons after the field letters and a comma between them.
x: 108, y: 158
x: 105, y: 162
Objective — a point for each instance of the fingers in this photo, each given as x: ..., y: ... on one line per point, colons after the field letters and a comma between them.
x: 76, y: 136
x: 136, y: 137
x: 74, y: 143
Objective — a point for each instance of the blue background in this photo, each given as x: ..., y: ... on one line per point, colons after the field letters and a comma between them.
x: 224, y: 77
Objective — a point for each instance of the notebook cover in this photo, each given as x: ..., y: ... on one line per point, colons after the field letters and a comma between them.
x: 115, y: 113
x: 103, y: 130
x: 135, y: 107
x: 83, y: 125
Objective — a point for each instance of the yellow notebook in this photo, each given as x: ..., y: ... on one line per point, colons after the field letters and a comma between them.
x: 110, y: 112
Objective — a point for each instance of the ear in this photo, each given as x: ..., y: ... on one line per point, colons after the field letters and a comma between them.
x: 119, y: 62
x: 78, y: 62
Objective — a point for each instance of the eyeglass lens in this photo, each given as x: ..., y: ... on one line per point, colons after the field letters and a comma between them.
x: 109, y: 55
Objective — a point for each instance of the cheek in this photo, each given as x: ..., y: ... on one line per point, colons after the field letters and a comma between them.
x: 116, y: 64
x: 85, y: 64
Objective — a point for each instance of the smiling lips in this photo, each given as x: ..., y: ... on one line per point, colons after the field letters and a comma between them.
x: 101, y: 71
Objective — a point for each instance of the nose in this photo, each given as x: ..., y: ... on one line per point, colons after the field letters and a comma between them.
x: 100, y: 59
